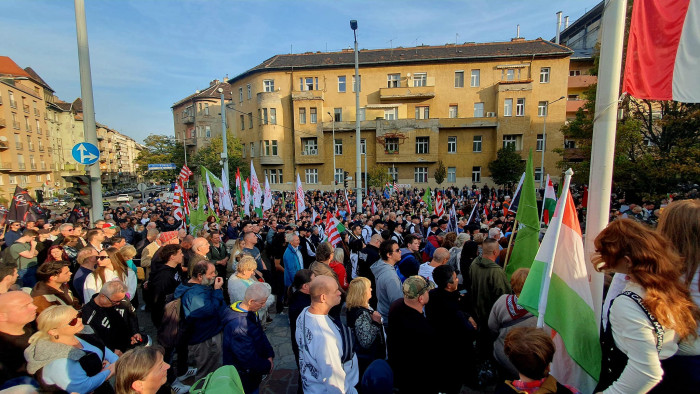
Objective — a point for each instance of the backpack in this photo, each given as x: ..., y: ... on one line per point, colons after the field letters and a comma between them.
x: 225, y: 380
x: 397, y: 266
x: 173, y: 327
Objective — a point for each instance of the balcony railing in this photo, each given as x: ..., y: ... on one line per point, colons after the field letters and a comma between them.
x: 29, y: 128
x: 21, y: 166
x: 33, y: 166
x: 19, y: 146
x: 41, y: 148
x: 15, y: 125
x: 36, y: 112
x: 38, y: 130
x: 13, y: 104
x: 26, y: 108
x: 188, y: 119
x: 6, y: 165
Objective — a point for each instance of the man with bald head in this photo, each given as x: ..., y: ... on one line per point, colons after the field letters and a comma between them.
x: 200, y: 249
x: 440, y: 257
x: 17, y: 311
x: 326, y: 357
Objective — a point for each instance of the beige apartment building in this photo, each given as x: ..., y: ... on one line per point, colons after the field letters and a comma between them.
x: 25, y: 148
x: 65, y: 122
x: 455, y: 103
x: 118, y: 159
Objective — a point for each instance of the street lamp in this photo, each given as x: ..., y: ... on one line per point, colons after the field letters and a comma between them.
x: 335, y: 189
x: 224, y: 154
x: 358, y: 164
x: 544, y: 137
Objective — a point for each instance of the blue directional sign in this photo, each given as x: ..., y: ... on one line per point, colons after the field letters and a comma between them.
x: 160, y: 167
x: 85, y: 153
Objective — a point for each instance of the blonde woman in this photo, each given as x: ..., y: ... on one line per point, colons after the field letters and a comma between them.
x: 141, y: 370
x: 110, y: 266
x: 365, y: 323
x: 245, y: 276
x: 235, y: 256
x: 66, y: 355
x: 128, y: 252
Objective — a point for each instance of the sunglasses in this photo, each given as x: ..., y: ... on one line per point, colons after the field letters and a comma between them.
x: 76, y: 319
x: 102, y: 257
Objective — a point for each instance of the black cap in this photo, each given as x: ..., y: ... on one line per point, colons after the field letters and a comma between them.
x: 281, y: 227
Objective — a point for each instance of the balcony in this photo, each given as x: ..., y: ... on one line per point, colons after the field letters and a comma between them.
x: 15, y: 125
x: 515, y: 85
x: 406, y: 90
x: 271, y: 160
x: 309, y: 152
x: 188, y: 119
x: 2, y: 122
x: 19, y: 146
x: 4, y: 166
x: 32, y: 166
x: 4, y: 145
x: 26, y: 108
x: 307, y: 95
x: 581, y: 81
x: 191, y: 141
x: 36, y: 112
x: 21, y: 166
x: 13, y: 104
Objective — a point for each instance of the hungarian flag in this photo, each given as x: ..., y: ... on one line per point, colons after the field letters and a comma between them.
x: 238, y: 187
x: 23, y: 207
x: 299, y: 198
x: 347, y: 203
x: 333, y: 229
x: 550, y: 201
x: 662, y: 51
x: 557, y: 288
x: 185, y: 173
x: 527, y: 241
x: 246, y: 197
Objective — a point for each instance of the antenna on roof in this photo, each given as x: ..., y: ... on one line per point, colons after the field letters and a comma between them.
x: 290, y: 49
x: 456, y: 40
x: 517, y: 31
x: 391, y: 43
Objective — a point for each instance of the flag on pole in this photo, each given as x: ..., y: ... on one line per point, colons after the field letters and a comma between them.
x: 427, y: 199
x: 439, y: 209
x: 23, y: 207
x: 515, y: 201
x: 550, y: 201
x: 246, y: 196
x: 396, y: 188
x: 387, y: 190
x: 472, y: 213
x: 452, y: 224
x: 527, y: 241
x: 332, y: 229
x: 662, y: 57
x: 374, y: 208
x: 299, y: 197
x: 314, y: 215
x: 210, y: 193
x: 347, y: 203
x: 267, y: 201
x: 238, y: 187
x: 557, y: 287
x: 185, y: 173
x: 255, y: 190
x: 225, y: 202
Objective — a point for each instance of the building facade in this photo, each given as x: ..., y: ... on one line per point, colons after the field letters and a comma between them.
x: 118, y: 159
x: 458, y: 104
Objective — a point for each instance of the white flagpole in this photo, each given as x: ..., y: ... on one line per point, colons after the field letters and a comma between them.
x: 472, y: 214
x: 556, y: 226
x: 546, y: 184
x: 603, y: 146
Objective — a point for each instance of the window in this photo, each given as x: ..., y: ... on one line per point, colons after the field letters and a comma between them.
x: 363, y: 112
x: 476, y: 78
x: 13, y: 179
x: 341, y: 83
x: 514, y: 140
x: 569, y: 144
x: 240, y: 95
x: 452, y: 174
x: 508, y: 107
x: 338, y: 114
x: 312, y: 115
x: 280, y: 178
x: 311, y: 175
x: 309, y: 146
x: 355, y: 84
x: 476, y: 174
x: 267, y: 148
x: 13, y: 103
x: 540, y: 143
x: 420, y: 174
x: 520, y: 107
x: 453, y: 111
x: 393, y: 80
x: 243, y: 151
x: 542, y: 108
x: 207, y: 131
x: 510, y: 74
x: 574, y: 73
x: 273, y: 115
x: 538, y: 174
x: 250, y: 91
x: 451, y: 144
x: 308, y: 83
x: 339, y: 176
x: 394, y: 174
x: 274, y: 147
x: 264, y: 115
x: 459, y: 79
x: 338, y: 147
x: 38, y: 178
x: 38, y: 127
x: 420, y: 79
x: 422, y: 145
x: 391, y: 145
x: 544, y: 75
x: 250, y: 120
x: 476, y: 144
x: 269, y: 85
x: 572, y: 97
x: 252, y: 149
x: 262, y: 149
x: 302, y: 115
x: 242, y: 122
x: 273, y: 175
x: 206, y: 108
x: 478, y: 110
x: 390, y: 114
x: 422, y: 112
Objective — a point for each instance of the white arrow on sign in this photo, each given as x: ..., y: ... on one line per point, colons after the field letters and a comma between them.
x: 83, y: 155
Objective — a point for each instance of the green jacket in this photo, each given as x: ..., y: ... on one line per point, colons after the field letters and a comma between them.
x: 488, y: 282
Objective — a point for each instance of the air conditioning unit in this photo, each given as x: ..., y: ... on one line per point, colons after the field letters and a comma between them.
x: 312, y: 152
x: 490, y: 114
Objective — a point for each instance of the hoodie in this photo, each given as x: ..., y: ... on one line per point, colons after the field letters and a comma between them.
x: 388, y: 287
x: 488, y: 282
x: 202, y: 307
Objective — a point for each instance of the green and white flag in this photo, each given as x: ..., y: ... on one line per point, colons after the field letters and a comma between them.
x: 527, y: 238
x: 550, y: 201
x: 557, y: 291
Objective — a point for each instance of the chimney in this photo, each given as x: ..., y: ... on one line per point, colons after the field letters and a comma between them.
x: 556, y: 40
x: 517, y: 32
x: 566, y: 22
x: 214, y: 82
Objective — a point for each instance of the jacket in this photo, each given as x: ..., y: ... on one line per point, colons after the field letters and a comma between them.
x: 488, y: 282
x: 409, y: 263
x: 388, y: 287
x: 202, y: 307
x: 45, y: 296
x: 161, y: 283
x: 246, y: 346
x: 291, y: 265
x: 115, y: 325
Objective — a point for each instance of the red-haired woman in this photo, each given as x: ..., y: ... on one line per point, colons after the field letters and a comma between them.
x: 654, y: 312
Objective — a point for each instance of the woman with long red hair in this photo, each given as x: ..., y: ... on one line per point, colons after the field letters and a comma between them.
x: 653, y: 313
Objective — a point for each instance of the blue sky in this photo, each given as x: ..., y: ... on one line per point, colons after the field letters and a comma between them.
x: 148, y: 54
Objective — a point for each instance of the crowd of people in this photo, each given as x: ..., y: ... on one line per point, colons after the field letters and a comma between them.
x: 405, y: 301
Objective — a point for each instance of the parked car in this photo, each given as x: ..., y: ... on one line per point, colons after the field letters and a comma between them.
x: 124, y: 198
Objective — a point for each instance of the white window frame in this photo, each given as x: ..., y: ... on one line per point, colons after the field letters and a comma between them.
x: 240, y: 94
x: 313, y: 115
x: 545, y: 74
x: 302, y: 115
x: 338, y: 114
x: 538, y: 174
x: 542, y: 108
x: 393, y: 173
x: 275, y: 149
x: 338, y: 147
x: 273, y: 115
x: 363, y: 146
x: 391, y: 113
x: 311, y: 175
x: 393, y: 80
x: 269, y: 85
x: 452, y: 174
x: 273, y: 176
x: 422, y: 112
x: 420, y: 174
x: 309, y: 146
x: 420, y: 79
x: 459, y: 79
x: 475, y: 80
x: 422, y: 145
x: 391, y: 145
x: 478, y: 110
x: 207, y: 131
x: 249, y: 88
x: 360, y: 83
x: 540, y: 143
x: 339, y: 176
x: 476, y: 144
x: 252, y: 149
x: 476, y: 174
x: 508, y: 107
x: 452, y: 144
x: 453, y: 111
x: 520, y: 107
x: 512, y: 139
x: 342, y: 83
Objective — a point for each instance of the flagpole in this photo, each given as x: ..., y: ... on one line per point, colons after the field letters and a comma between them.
x: 603, y: 145
x: 543, y: 194
x: 472, y: 214
x: 510, y: 242
x: 542, y: 307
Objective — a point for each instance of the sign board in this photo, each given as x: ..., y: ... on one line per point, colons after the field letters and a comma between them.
x: 142, y: 187
x: 85, y: 153
x: 161, y: 167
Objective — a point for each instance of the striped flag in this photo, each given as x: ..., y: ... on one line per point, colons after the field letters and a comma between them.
x: 178, y: 213
x: 550, y: 201
x: 332, y: 229
x: 246, y: 197
x: 439, y: 209
x: 210, y: 193
x: 515, y: 201
x: 299, y: 197
x: 185, y: 173
x: 347, y: 203
x: 238, y: 187
x: 255, y: 190
x: 225, y: 200
x: 267, y: 201
x: 374, y: 208
x: 396, y: 188
x: 557, y: 291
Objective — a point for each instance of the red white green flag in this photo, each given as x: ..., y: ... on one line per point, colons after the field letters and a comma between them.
x: 550, y: 201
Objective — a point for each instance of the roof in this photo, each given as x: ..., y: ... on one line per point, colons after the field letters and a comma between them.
x: 413, y: 55
x: 9, y: 68
x: 64, y: 106
x: 34, y: 76
x: 78, y: 105
x: 582, y: 81
x: 209, y: 93
x: 592, y: 15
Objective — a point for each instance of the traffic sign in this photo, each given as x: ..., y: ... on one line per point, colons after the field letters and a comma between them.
x: 85, y: 153
x: 142, y: 187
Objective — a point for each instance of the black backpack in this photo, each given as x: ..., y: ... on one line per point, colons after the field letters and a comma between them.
x: 173, y: 327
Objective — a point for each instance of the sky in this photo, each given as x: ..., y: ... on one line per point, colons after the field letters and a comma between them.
x: 146, y: 55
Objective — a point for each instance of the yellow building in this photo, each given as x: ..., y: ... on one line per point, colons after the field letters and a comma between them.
x: 458, y: 104
x: 25, y: 154
x: 117, y: 158
x: 65, y: 122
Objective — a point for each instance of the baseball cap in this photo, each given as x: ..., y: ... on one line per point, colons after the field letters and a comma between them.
x: 416, y: 285
x: 108, y: 225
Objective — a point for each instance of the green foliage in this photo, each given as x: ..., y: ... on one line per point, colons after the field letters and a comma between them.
x: 160, y: 149
x: 508, y: 166
x: 377, y: 176
x: 210, y: 157
x: 440, y: 172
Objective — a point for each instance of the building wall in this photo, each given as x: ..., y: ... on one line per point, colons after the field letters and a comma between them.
x: 67, y: 130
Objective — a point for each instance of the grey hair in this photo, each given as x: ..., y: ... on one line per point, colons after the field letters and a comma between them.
x: 493, y: 232
x: 256, y: 291
x: 461, y: 240
x: 113, y: 287
x: 289, y: 237
x: 152, y: 232
x: 65, y: 226
x: 339, y: 254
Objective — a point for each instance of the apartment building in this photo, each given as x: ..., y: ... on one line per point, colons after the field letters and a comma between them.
x: 25, y: 147
x: 117, y: 158
x: 65, y: 123
x: 197, y: 117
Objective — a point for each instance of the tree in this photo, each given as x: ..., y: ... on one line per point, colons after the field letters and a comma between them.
x: 160, y: 149
x: 210, y: 157
x: 440, y: 172
x: 508, y: 166
x: 377, y: 176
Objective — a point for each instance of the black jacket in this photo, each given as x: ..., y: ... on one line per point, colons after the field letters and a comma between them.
x: 162, y: 283
x: 114, y: 325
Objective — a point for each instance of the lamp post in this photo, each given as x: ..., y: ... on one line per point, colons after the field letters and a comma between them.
x: 358, y: 164
x: 224, y: 154
x: 544, y: 137
x: 335, y: 188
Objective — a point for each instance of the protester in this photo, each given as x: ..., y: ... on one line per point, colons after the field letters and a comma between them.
x: 164, y: 281
x: 410, y: 257
x: 388, y: 282
x: 17, y: 312
x: 23, y: 252
x: 365, y: 324
x: 52, y: 286
x: 141, y: 370
x: 8, y: 276
x: 292, y: 259
x: 440, y: 257
x: 110, y: 266
x: 87, y: 260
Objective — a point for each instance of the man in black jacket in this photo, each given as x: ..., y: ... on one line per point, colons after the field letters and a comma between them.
x: 368, y: 256
x: 164, y: 280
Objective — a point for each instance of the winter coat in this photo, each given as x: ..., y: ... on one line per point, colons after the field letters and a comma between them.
x: 488, y: 282
x: 202, y: 307
x: 388, y: 287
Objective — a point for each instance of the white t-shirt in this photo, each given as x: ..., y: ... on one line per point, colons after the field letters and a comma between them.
x: 321, y: 368
x: 93, y: 283
x: 426, y: 270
